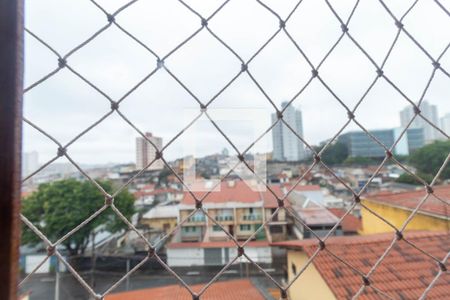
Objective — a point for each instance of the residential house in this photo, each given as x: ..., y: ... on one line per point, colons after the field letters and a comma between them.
x: 145, y: 195
x: 279, y: 225
x: 244, y: 214
x: 311, y: 218
x: 163, y: 218
x: 149, y: 195
x: 238, y: 208
x: 328, y: 278
x: 397, y: 207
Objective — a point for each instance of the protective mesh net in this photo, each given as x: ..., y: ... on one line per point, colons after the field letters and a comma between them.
x: 63, y: 61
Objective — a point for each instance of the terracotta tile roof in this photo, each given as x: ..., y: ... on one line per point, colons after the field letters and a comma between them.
x: 350, y: 223
x: 299, y: 187
x: 231, y: 290
x: 409, y: 200
x: 240, y: 192
x: 143, y: 192
x: 404, y: 273
x: 218, y: 244
x: 237, y: 192
x: 269, y: 199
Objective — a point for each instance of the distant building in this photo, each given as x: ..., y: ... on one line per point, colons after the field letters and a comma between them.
x: 286, y: 146
x: 360, y: 144
x: 30, y: 163
x: 427, y: 110
x: 146, y: 152
x: 416, y: 139
x: 397, y: 207
x: 328, y: 278
x: 312, y: 219
x: 148, y: 194
x: 445, y: 124
x: 161, y: 218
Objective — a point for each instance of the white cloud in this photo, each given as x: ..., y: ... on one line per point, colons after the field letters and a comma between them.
x: 64, y: 105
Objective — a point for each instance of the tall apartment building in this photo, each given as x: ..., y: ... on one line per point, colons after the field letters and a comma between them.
x: 30, y: 162
x: 445, y: 124
x: 430, y: 112
x: 145, y: 152
x: 286, y: 146
x: 359, y: 144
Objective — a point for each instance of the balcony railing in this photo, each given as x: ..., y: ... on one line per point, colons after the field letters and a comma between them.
x: 196, y: 219
x: 251, y: 217
x: 224, y: 218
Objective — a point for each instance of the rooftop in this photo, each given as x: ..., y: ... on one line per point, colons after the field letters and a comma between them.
x: 269, y: 199
x: 233, y: 290
x: 317, y: 216
x: 227, y: 191
x: 409, y: 200
x: 153, y: 192
x: 350, y: 223
x: 303, y: 188
x: 218, y: 244
x: 403, y: 274
x: 239, y: 191
x: 159, y: 212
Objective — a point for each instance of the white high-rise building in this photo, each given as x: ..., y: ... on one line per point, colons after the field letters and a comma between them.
x: 445, y: 124
x: 287, y: 146
x: 145, y: 152
x: 30, y: 162
x: 429, y: 111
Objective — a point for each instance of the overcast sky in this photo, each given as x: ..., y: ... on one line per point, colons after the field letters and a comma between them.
x: 64, y: 105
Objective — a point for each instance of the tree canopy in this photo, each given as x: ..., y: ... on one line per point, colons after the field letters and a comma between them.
x: 429, y: 159
x: 58, y: 207
x: 336, y: 153
x: 409, y: 179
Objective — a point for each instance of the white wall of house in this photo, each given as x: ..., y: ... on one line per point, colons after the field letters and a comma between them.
x: 185, y: 257
x: 32, y: 261
x: 259, y: 254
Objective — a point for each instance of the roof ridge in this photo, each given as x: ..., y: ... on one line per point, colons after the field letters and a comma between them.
x: 361, y: 239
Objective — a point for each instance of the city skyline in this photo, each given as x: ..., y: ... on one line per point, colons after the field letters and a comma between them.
x: 443, y: 121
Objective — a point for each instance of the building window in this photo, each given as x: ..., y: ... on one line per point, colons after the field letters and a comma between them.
x: 189, y: 229
x: 245, y: 227
x: 216, y: 228
x: 294, y: 269
x: 276, y: 229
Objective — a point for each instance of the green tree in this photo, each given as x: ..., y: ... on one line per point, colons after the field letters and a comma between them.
x: 430, y: 158
x: 409, y: 179
x: 359, y: 160
x: 58, y: 207
x: 336, y: 153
